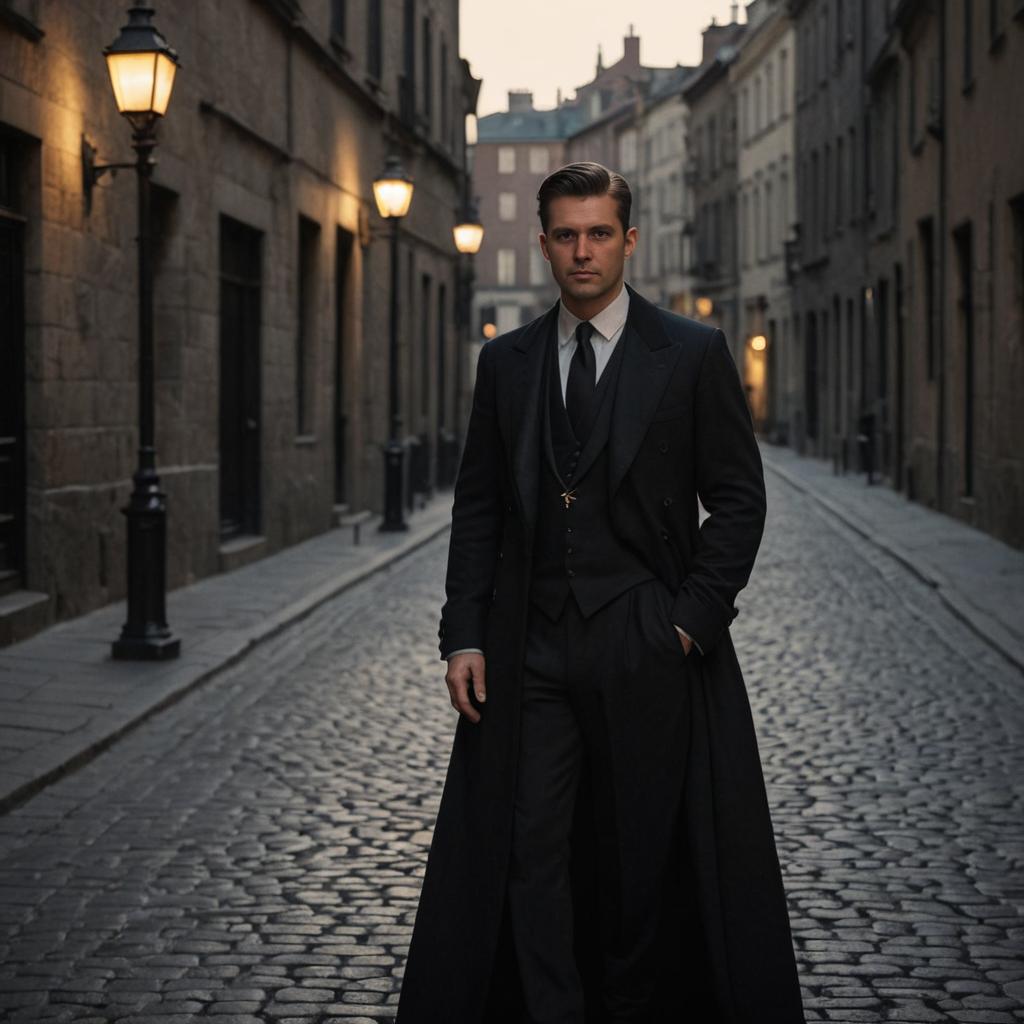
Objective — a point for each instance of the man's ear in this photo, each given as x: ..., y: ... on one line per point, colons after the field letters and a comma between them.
x: 631, y: 239
x: 543, y: 239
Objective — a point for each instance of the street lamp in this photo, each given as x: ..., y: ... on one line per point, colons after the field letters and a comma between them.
x: 469, y: 232
x: 468, y: 235
x: 142, y: 68
x: 392, y: 190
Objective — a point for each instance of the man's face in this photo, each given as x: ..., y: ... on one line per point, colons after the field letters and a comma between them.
x: 586, y: 247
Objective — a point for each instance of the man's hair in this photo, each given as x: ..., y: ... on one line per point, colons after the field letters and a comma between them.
x: 584, y: 179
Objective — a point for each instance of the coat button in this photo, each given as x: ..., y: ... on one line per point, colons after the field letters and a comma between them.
x: 568, y: 551
x: 667, y: 502
x: 508, y: 507
x: 663, y: 447
x: 568, y: 529
x: 571, y: 572
x: 664, y: 535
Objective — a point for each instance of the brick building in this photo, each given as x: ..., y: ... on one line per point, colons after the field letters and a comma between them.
x: 272, y: 273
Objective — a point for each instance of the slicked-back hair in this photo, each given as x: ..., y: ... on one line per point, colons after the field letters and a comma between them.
x: 584, y: 179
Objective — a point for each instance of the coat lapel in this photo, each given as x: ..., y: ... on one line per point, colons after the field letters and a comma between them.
x: 524, y: 417
x: 647, y: 363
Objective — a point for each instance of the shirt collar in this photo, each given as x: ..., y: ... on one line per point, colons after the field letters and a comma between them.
x: 606, y: 324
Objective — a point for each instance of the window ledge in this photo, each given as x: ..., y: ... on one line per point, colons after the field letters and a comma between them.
x: 29, y: 29
x: 305, y: 440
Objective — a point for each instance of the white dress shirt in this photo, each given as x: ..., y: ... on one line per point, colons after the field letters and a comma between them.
x: 608, y: 326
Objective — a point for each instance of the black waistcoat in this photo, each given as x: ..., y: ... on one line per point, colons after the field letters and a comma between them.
x: 575, y: 548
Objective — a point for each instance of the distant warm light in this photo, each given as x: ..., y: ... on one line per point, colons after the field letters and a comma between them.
x: 869, y: 295
x: 490, y: 331
x: 705, y: 307
x: 393, y: 190
x: 469, y: 237
x: 758, y: 342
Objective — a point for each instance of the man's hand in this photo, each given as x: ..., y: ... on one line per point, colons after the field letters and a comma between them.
x: 685, y: 641
x: 465, y: 670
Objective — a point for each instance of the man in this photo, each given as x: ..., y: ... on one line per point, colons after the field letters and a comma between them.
x: 603, y: 849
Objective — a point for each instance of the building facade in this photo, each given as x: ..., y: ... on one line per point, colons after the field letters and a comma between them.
x: 271, y: 278
x: 713, y: 176
x: 762, y: 80
x: 961, y: 229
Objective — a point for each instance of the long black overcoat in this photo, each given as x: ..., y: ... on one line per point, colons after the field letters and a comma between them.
x: 680, y: 428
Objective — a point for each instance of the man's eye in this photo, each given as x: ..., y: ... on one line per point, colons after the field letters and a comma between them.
x: 600, y: 233
x: 563, y: 236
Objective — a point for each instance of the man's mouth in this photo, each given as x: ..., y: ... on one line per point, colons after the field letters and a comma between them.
x: 583, y: 273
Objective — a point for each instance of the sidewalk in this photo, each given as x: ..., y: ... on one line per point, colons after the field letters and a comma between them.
x: 63, y: 699
x: 978, y: 577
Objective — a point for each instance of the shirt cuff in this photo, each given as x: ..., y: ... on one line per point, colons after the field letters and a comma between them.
x: 463, y: 650
x: 682, y: 632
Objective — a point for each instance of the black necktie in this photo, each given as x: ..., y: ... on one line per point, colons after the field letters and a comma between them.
x: 579, y: 389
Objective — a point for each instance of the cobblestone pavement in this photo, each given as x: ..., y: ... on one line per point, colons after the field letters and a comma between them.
x: 253, y: 853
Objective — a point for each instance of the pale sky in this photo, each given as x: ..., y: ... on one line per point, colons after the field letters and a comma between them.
x: 546, y: 44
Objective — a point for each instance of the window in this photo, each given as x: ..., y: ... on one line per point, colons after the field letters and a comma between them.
x: 507, y: 206
x: 853, y: 176
x: 747, y: 233
x: 758, y: 109
x: 783, y: 82
x: 428, y: 72
x: 540, y: 160
x: 446, y: 120
x: 968, y: 43
x: 338, y: 18
x: 769, y: 79
x: 507, y: 318
x: 840, y: 182
x: 407, y: 95
x: 995, y: 21
x: 769, y: 227
x: 506, y: 160
x: 506, y: 266
x: 374, y: 47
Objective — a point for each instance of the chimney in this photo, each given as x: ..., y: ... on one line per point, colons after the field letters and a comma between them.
x: 715, y: 37
x: 631, y: 49
x: 519, y: 100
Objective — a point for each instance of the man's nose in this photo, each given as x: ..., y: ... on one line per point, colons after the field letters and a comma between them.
x: 582, y: 250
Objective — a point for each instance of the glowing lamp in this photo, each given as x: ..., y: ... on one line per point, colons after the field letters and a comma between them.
x: 392, y: 189
x: 141, y: 66
x: 758, y: 342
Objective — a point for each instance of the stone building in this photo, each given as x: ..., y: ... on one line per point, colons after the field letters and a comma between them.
x: 712, y: 174
x: 662, y: 264
x: 961, y: 228
x: 762, y: 80
x: 830, y: 296
x: 272, y: 276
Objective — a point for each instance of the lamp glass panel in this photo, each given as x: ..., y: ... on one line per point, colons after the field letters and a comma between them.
x: 131, y: 77
x: 393, y: 195
x: 165, y: 69
x: 468, y: 237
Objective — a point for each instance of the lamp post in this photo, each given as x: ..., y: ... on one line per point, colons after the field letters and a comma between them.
x: 469, y: 236
x: 392, y: 191
x: 142, y: 68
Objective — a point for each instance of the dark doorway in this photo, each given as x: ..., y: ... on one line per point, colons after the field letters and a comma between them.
x: 240, y: 302
x: 884, y: 424
x: 342, y: 261
x: 13, y: 480
x: 811, y: 376
x: 12, y: 389
x: 962, y: 239
x: 899, y: 407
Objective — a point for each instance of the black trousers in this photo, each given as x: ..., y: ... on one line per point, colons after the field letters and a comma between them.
x: 605, y: 698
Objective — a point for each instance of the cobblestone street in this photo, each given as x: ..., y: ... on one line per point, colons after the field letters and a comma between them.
x: 254, y: 852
